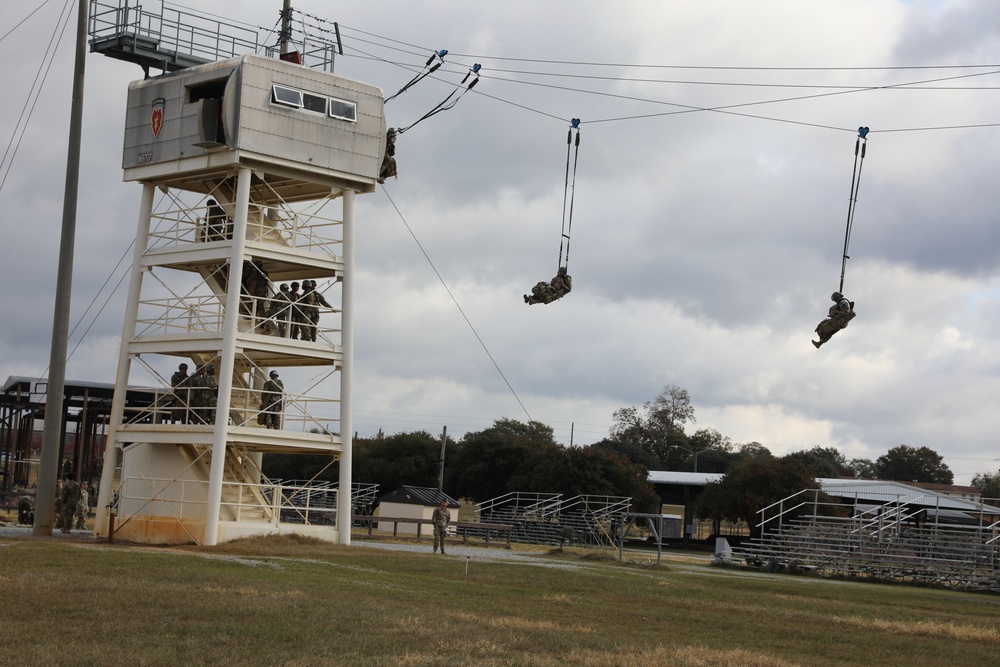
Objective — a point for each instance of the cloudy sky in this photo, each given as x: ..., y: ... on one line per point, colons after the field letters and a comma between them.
x: 712, y: 193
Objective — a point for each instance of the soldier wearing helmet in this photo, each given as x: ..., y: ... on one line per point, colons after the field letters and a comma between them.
x: 272, y: 399
x: 295, y: 310
x: 204, y: 394
x: 311, y: 300
x: 180, y: 400
x: 547, y: 292
x: 840, y: 314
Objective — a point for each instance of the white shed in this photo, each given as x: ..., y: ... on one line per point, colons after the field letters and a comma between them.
x: 413, y: 502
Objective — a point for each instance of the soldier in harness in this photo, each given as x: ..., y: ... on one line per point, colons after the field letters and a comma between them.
x: 547, y: 292
x: 840, y: 314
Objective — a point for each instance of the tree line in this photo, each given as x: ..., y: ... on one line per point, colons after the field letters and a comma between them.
x: 515, y: 456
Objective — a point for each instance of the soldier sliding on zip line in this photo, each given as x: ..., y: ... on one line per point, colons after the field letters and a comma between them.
x: 562, y: 283
x: 842, y: 310
x: 547, y: 292
x: 840, y: 314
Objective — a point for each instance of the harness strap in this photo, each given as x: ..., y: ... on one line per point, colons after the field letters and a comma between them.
x: 860, y: 143
x: 437, y: 54
x: 444, y: 105
x: 569, y: 191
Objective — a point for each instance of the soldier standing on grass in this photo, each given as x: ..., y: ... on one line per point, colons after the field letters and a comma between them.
x: 70, y: 497
x: 441, y: 519
x: 83, y: 507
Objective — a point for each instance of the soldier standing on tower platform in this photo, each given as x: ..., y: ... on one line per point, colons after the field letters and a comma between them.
x: 272, y: 400
x: 180, y: 400
x: 312, y: 300
x: 281, y: 309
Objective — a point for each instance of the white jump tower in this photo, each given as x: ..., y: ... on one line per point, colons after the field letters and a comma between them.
x: 282, y: 150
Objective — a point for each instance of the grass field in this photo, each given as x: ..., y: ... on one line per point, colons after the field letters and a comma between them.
x: 292, y: 601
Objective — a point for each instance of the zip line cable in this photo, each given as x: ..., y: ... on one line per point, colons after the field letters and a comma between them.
x: 444, y: 105
x: 725, y: 109
x: 36, y: 90
x: 852, y: 200
x: 478, y: 92
x: 569, y: 188
x: 24, y: 19
x: 93, y: 321
x: 691, y: 67
x: 845, y: 90
x: 457, y: 304
x: 562, y: 468
x: 426, y: 71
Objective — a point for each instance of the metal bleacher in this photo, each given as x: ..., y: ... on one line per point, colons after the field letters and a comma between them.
x: 548, y: 518
x: 320, y: 497
x: 913, y: 541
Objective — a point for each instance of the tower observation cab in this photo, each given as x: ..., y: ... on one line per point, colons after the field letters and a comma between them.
x: 249, y: 170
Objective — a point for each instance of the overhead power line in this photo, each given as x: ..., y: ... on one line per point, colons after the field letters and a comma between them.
x: 391, y: 44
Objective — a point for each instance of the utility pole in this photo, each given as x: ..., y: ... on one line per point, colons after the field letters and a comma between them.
x: 48, y: 467
x: 444, y: 440
x: 285, y: 37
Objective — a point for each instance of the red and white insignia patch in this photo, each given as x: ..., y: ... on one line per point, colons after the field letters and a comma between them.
x: 156, y: 117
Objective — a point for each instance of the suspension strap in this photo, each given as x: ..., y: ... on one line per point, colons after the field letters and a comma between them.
x: 424, y: 72
x: 569, y: 191
x: 852, y: 201
x: 444, y: 104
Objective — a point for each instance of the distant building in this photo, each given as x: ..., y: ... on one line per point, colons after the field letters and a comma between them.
x: 413, y: 502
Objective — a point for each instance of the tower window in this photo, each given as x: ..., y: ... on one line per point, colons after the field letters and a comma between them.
x: 343, y: 110
x: 315, y: 103
x: 286, y: 96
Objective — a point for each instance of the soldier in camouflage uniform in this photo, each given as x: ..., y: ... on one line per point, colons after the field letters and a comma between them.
x: 281, y: 309
x: 441, y: 519
x: 217, y: 223
x: 296, y: 311
x: 57, y: 508
x: 840, y: 314
x: 256, y: 291
x: 180, y: 400
x: 547, y: 292
x: 83, y: 507
x: 272, y: 400
x: 69, y: 497
x: 311, y: 300
x: 204, y: 394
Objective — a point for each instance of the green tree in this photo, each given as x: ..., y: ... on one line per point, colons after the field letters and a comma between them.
x: 710, y: 451
x: 864, y: 468
x: 751, y: 485
x: 822, y: 461
x: 631, y: 451
x: 500, y: 459
x: 988, y: 485
x: 316, y: 467
x: 397, y: 460
x: 574, y: 471
x: 918, y: 464
x: 658, y: 427
x: 754, y: 450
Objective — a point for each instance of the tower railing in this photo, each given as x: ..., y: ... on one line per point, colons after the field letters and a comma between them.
x: 183, y: 406
x: 170, y: 31
x: 302, y: 230
x: 192, y: 315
